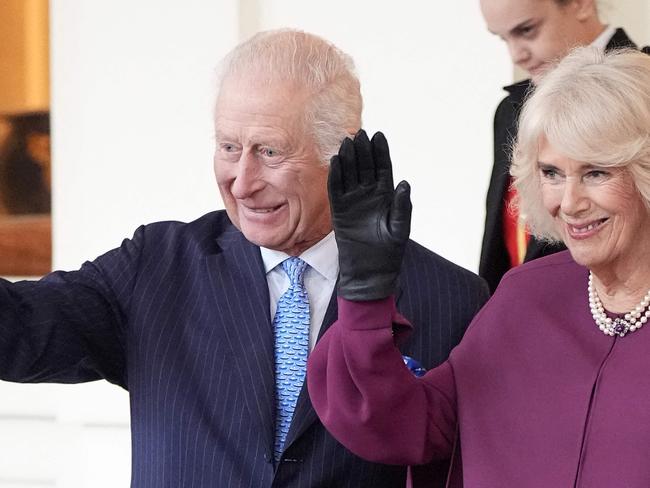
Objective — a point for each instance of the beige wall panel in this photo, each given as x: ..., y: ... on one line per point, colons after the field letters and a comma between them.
x: 24, y: 55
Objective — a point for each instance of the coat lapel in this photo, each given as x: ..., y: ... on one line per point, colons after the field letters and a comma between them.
x: 620, y: 40
x: 241, y: 296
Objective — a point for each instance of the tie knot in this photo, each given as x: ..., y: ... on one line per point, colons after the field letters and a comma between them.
x: 295, y: 269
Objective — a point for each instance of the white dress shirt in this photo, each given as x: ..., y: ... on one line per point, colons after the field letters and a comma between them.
x: 603, y: 39
x: 320, y: 279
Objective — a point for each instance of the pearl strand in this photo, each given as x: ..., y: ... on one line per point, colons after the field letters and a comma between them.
x: 631, y: 321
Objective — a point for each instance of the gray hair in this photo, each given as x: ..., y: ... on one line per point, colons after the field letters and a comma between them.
x: 333, y: 110
x: 593, y: 107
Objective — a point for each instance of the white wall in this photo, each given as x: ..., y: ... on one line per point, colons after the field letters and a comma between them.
x: 132, y: 89
x: 131, y: 105
x: 633, y: 15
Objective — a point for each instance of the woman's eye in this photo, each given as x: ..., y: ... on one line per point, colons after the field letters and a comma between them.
x: 596, y: 176
x: 548, y: 173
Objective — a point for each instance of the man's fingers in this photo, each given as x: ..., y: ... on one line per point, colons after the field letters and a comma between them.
x: 365, y: 163
x: 400, y: 212
x: 381, y: 157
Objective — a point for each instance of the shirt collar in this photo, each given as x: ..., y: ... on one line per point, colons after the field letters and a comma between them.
x: 603, y: 39
x: 322, y: 256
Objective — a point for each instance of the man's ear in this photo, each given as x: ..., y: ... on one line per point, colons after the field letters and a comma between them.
x: 352, y: 131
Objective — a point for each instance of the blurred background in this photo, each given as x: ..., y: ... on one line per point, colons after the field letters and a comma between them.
x: 25, y: 230
x: 118, y: 96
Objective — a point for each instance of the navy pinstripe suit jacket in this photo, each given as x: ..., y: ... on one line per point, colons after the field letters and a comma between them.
x: 179, y: 316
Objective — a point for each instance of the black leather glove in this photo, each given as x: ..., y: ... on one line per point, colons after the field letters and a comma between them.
x: 371, y: 219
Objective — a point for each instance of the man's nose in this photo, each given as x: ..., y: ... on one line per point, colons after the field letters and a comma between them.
x: 247, y: 176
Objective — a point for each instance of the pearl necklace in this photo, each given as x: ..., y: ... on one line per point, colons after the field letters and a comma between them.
x: 631, y: 321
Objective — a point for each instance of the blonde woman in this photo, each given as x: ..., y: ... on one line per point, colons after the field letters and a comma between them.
x: 549, y: 387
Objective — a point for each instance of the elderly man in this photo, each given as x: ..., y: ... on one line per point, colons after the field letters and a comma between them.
x: 208, y: 324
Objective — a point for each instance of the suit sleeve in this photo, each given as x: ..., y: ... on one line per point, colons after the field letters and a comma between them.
x: 368, y: 399
x: 70, y: 327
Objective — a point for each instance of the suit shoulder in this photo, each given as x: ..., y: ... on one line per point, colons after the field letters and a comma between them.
x: 419, y: 259
x: 210, y: 222
x: 512, y: 101
x: 202, y: 231
x: 505, y: 116
x: 504, y: 104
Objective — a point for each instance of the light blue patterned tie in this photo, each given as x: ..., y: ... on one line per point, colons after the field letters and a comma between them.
x: 291, y: 326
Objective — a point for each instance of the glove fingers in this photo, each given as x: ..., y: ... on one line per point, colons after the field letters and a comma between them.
x: 400, y: 212
x: 381, y: 157
x: 335, y: 186
x: 348, y: 164
x: 365, y: 163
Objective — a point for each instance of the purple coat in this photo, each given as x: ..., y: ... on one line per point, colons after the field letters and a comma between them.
x: 541, y: 396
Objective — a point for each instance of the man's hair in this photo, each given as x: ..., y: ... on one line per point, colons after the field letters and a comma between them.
x: 594, y: 107
x: 333, y: 109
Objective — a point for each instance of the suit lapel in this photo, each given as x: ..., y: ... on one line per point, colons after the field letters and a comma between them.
x: 241, y: 296
x: 304, y: 415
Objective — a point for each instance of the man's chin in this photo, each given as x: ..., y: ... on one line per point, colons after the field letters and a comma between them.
x: 268, y: 238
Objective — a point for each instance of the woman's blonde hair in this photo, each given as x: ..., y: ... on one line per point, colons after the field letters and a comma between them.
x: 594, y: 107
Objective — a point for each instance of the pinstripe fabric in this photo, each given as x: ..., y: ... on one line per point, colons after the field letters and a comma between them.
x: 179, y: 316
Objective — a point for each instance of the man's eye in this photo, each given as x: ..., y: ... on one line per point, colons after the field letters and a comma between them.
x: 527, y: 31
x: 269, y: 152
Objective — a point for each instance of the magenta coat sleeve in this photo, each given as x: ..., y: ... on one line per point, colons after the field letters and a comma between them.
x: 369, y: 400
